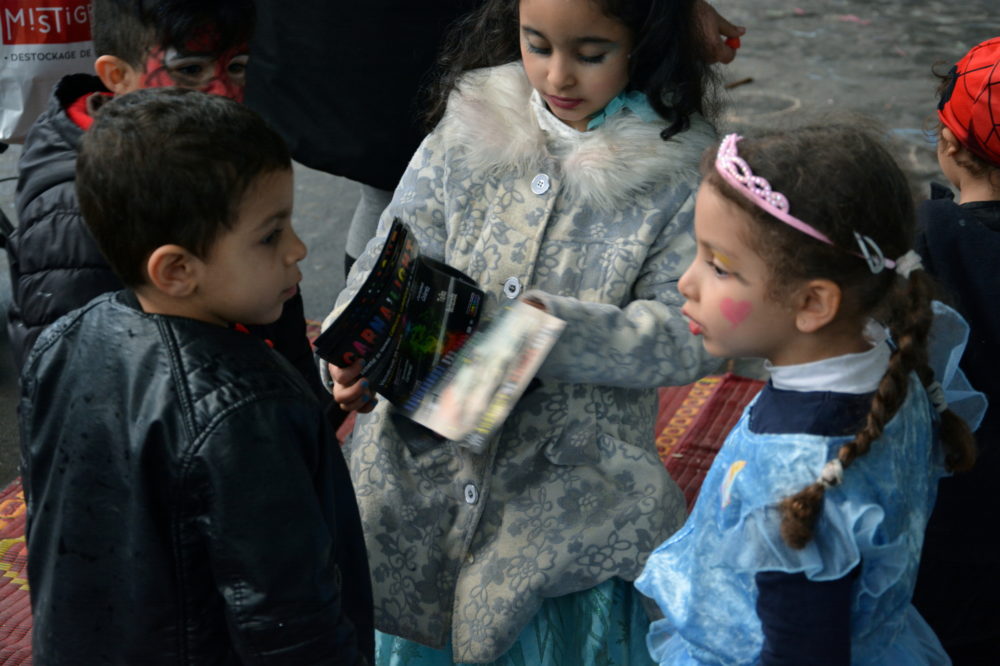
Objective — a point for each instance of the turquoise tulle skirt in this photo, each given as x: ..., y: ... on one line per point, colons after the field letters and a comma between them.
x: 603, y: 626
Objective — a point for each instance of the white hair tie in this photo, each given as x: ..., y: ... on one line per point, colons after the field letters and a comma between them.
x: 908, y: 263
x: 936, y: 393
x: 832, y: 474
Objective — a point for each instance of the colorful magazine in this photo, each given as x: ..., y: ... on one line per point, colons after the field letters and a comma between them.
x: 413, y: 325
x: 470, y: 393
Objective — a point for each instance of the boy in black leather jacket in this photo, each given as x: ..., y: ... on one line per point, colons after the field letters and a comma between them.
x: 54, y: 262
x: 187, y: 501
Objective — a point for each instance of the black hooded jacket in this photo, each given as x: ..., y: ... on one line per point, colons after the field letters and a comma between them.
x: 55, y: 264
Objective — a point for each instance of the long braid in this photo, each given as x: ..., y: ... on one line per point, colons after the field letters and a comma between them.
x: 910, y: 322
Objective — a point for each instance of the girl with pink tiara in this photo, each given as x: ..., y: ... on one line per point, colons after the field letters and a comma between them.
x: 804, y: 543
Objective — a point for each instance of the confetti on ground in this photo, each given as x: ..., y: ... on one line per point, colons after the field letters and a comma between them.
x: 851, y: 18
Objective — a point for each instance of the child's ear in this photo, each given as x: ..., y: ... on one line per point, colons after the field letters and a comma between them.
x: 816, y: 305
x: 949, y: 144
x: 173, y: 270
x: 117, y: 75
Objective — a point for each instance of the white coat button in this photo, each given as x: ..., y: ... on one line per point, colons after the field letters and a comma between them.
x: 512, y: 288
x: 540, y: 184
x: 471, y: 494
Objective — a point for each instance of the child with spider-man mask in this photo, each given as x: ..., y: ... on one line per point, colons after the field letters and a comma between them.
x: 960, y: 240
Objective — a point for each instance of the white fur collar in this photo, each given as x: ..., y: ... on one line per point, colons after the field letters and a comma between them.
x: 492, y: 116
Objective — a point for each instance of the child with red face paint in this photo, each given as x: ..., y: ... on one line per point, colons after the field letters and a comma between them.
x: 958, y: 586
x: 163, y: 43
x: 55, y: 264
x: 804, y: 543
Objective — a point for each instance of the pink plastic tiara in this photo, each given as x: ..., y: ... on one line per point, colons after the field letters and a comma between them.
x: 738, y: 173
x: 735, y: 170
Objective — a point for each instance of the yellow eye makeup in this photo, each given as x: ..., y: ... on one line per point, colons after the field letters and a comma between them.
x: 722, y: 260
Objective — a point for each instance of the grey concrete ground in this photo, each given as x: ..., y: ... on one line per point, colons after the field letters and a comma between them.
x: 876, y: 57
x: 804, y: 57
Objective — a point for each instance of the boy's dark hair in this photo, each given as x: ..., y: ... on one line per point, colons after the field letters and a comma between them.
x: 667, y: 61
x: 129, y: 29
x: 169, y: 166
x: 841, y: 179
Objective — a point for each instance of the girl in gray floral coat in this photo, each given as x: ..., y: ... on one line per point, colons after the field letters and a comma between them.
x: 562, y: 170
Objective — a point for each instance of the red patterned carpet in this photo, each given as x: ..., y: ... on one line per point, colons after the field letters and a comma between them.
x: 693, y: 421
x: 15, y: 607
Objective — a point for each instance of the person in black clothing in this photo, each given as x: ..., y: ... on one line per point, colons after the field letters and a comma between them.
x: 341, y: 82
x: 187, y: 501
x: 55, y: 264
x: 959, y: 581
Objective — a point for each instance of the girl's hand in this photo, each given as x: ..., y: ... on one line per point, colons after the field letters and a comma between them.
x: 713, y: 28
x: 351, y: 390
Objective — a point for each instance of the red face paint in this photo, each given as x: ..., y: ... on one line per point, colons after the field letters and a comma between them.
x: 735, y: 311
x: 214, y: 73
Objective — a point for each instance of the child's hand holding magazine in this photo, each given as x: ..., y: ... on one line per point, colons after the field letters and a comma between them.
x: 410, y: 335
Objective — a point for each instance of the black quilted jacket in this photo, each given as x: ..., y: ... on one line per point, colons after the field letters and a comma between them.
x: 54, y: 261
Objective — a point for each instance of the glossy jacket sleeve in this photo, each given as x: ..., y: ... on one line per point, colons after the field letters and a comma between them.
x: 265, y: 472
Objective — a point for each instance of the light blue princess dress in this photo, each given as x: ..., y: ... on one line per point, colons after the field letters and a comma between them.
x: 703, y: 577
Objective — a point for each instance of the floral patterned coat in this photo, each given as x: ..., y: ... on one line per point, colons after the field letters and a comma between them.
x: 598, y: 226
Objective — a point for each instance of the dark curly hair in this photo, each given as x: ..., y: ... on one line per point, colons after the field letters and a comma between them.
x: 668, y: 62
x: 841, y: 179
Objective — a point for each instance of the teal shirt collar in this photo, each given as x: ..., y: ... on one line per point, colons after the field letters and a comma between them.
x: 633, y: 100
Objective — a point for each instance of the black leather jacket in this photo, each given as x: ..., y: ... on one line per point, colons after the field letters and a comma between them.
x: 187, y: 502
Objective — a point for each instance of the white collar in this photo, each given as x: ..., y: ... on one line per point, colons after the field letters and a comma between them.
x: 549, y: 123
x: 849, y: 373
